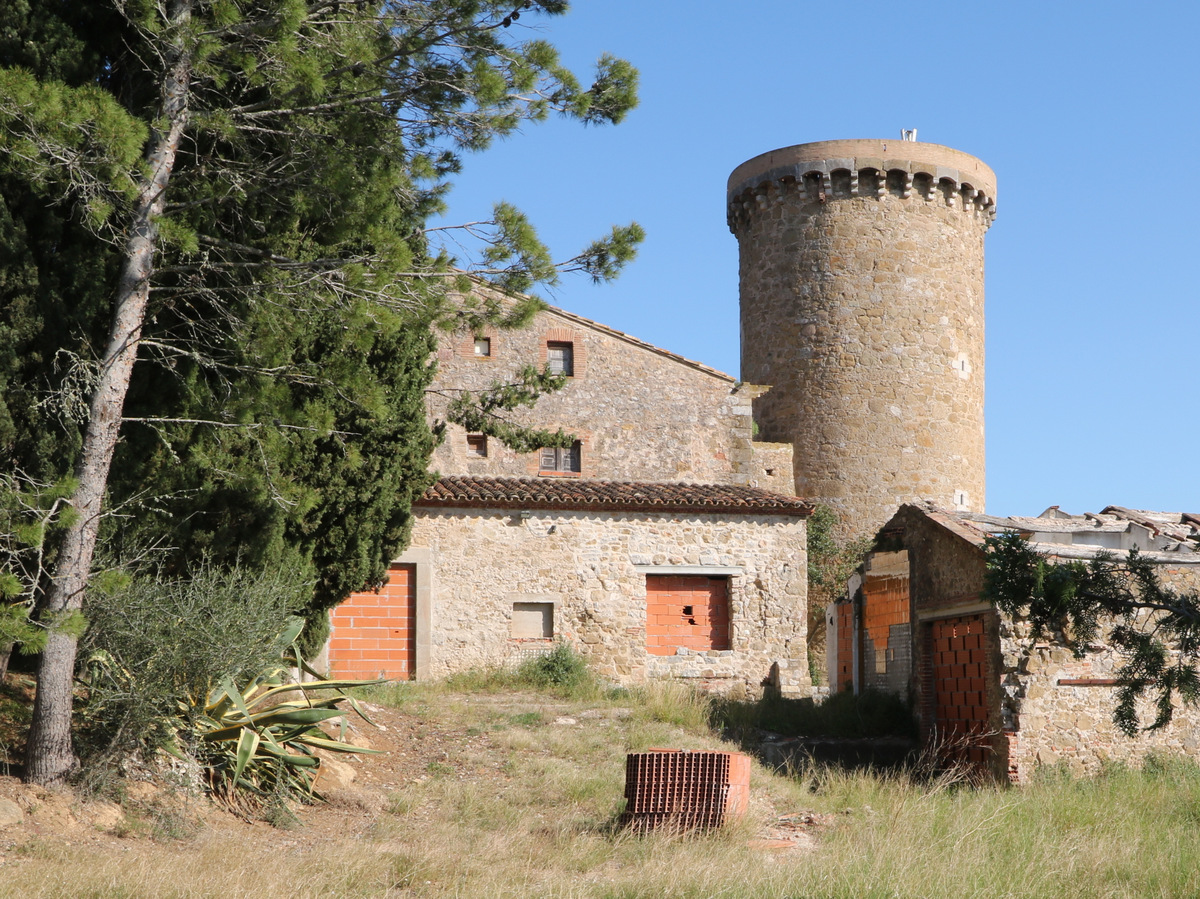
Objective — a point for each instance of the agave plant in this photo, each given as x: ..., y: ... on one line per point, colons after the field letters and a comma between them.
x: 254, y: 738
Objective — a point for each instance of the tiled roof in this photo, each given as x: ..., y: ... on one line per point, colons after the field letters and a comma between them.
x: 575, y: 494
x: 1166, y: 536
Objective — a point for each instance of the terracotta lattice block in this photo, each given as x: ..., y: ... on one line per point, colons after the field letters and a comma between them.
x: 685, y: 790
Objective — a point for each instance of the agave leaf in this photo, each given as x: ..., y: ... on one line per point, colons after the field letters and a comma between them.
x: 275, y: 716
x: 314, y: 687
x: 298, y: 761
x: 291, y: 631
x: 247, y: 746
x: 238, y: 701
x: 336, y: 746
x: 298, y: 661
x: 225, y: 695
x: 357, y: 706
x: 296, y: 734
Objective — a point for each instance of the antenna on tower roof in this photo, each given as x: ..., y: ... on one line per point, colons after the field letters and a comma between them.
x: 909, y: 134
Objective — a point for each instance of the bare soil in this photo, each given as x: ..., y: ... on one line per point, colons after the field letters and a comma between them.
x: 149, y: 814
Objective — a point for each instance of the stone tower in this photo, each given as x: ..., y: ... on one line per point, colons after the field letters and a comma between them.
x: 862, y: 303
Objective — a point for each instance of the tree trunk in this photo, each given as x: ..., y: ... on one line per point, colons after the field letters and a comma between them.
x: 49, y: 756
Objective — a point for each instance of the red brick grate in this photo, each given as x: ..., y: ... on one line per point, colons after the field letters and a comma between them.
x: 684, y: 790
x: 960, y: 674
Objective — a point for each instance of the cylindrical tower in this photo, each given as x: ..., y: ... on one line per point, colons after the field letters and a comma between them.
x: 862, y: 304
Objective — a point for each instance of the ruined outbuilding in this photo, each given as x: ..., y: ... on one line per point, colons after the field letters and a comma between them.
x: 914, y: 624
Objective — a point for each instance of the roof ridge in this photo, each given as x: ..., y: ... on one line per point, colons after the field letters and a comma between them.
x: 578, y: 493
x: 624, y: 335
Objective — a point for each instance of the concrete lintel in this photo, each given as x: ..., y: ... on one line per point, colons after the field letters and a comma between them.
x: 973, y: 608
x: 706, y: 570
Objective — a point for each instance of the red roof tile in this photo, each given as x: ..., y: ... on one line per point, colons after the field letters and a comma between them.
x: 570, y: 493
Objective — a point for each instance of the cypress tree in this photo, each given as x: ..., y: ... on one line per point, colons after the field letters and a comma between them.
x: 232, y: 194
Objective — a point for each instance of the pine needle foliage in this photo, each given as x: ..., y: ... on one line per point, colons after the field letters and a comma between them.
x: 218, y: 289
x: 1119, y: 600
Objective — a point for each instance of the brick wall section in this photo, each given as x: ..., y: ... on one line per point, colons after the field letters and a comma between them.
x: 686, y: 611
x: 586, y: 564
x: 648, y: 414
x: 961, y: 672
x: 845, y: 647
x: 886, y: 645
x: 373, y: 633
x: 862, y: 303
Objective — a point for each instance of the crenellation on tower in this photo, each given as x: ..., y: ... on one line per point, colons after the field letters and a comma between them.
x: 861, y: 271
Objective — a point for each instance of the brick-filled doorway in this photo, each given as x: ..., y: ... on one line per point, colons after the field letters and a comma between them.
x: 960, y: 695
x: 375, y: 634
x: 686, y: 610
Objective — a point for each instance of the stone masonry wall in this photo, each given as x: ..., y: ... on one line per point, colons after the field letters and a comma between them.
x: 1057, y: 709
x: 587, y: 565
x: 640, y: 413
x: 862, y: 304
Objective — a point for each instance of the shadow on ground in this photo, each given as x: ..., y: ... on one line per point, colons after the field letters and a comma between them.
x: 872, y: 730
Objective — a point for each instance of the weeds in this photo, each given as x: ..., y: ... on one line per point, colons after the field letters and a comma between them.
x: 542, y: 825
x: 561, y: 671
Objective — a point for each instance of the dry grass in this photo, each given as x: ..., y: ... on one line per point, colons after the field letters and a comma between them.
x: 525, y: 805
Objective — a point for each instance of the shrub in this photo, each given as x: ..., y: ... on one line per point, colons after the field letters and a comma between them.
x: 156, y: 644
x: 561, y: 667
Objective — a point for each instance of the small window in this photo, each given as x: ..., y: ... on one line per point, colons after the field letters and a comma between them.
x: 477, y: 445
x: 560, y: 356
x: 483, y: 346
x: 533, y: 620
x: 565, y: 459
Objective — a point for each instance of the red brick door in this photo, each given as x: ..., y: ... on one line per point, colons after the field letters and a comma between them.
x: 960, y: 690
x: 687, y: 611
x: 375, y: 634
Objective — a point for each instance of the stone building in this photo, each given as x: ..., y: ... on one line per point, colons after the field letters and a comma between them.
x: 665, y: 542
x: 862, y: 319
x: 916, y: 625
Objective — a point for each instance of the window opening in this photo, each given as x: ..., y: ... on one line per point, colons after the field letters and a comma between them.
x: 560, y: 356
x: 483, y: 346
x: 565, y: 459
x: 533, y: 620
x: 477, y: 445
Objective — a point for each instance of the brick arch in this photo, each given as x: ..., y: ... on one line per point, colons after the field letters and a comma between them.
x: 564, y: 335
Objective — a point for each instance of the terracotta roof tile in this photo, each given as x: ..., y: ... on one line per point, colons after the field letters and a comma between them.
x: 571, y: 493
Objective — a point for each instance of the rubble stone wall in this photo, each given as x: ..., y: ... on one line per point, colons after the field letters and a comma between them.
x: 1057, y: 709
x: 592, y: 568
x: 641, y: 413
x: 861, y: 268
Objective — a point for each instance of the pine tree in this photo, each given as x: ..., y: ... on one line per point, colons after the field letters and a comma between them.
x: 1156, y: 628
x: 232, y: 194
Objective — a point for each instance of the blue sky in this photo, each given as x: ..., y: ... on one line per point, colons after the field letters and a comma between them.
x: 1088, y: 114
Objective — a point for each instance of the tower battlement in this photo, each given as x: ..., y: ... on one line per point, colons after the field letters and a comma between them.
x: 843, y: 169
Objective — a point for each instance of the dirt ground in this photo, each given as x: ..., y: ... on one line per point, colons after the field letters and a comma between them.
x: 358, y: 788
